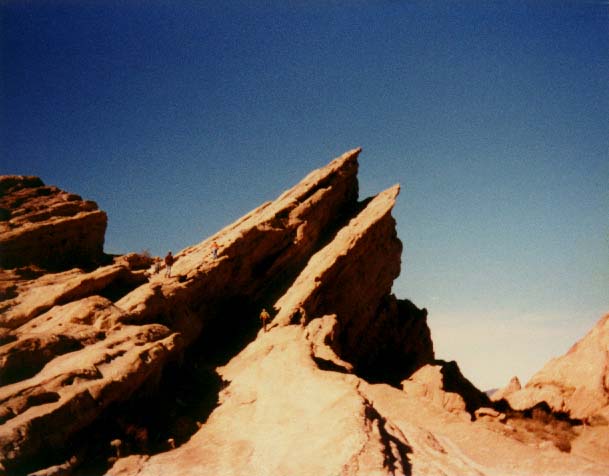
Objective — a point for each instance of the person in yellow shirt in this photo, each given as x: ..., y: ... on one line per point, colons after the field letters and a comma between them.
x: 264, y: 317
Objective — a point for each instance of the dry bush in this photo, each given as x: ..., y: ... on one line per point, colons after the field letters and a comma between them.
x: 539, y: 424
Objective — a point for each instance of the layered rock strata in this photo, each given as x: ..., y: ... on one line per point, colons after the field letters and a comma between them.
x: 116, y: 372
x: 374, y: 331
x: 80, y: 343
x: 45, y: 226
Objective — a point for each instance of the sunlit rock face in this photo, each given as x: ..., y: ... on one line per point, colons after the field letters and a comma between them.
x: 576, y: 383
x: 45, y: 226
x: 122, y: 370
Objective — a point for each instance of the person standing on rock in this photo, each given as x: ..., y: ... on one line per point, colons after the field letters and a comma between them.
x: 214, y: 249
x: 264, y: 317
x: 168, y: 264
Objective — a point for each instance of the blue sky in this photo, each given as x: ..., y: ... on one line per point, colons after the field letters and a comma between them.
x: 179, y: 117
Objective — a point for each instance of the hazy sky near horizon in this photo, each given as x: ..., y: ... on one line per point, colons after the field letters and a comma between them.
x: 178, y: 117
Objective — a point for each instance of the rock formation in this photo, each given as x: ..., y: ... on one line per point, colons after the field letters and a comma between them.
x: 444, y: 385
x: 513, y: 386
x: 115, y: 371
x: 45, y: 226
x: 576, y: 383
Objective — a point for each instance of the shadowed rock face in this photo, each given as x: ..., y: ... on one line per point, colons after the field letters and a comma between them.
x: 118, y: 372
x: 48, y: 227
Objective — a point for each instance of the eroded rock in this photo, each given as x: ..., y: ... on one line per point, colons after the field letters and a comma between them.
x: 576, y: 383
x: 48, y: 227
x: 115, y: 372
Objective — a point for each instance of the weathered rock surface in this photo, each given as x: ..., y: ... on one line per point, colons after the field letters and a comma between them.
x: 48, y: 227
x: 114, y: 372
x: 66, y: 333
x: 513, y: 386
x: 280, y: 414
x: 576, y: 383
x: 445, y: 386
x: 375, y: 332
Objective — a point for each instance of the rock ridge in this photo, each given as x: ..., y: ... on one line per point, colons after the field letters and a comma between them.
x: 74, y: 347
x: 119, y: 371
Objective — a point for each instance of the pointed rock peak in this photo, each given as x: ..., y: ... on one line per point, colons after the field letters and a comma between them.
x: 348, y: 157
x: 317, y: 254
x: 371, y: 239
x: 344, y: 168
x: 386, y: 199
x: 513, y: 386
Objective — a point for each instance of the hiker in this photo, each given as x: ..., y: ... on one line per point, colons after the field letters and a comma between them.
x: 264, y: 316
x: 168, y: 264
x: 214, y: 250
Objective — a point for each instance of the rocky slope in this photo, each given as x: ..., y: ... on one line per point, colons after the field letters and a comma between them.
x: 45, y: 226
x: 576, y: 383
x: 112, y: 371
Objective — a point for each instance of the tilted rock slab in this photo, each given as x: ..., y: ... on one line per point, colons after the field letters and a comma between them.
x: 281, y: 414
x: 71, y: 352
x: 352, y: 278
x: 294, y: 401
x: 576, y: 383
x: 45, y: 226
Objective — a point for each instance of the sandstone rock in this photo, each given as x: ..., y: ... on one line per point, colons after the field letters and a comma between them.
x: 45, y: 226
x: 513, y: 386
x: 382, y: 337
x: 485, y: 412
x: 68, y: 352
x: 174, y: 376
x: 443, y: 384
x: 576, y: 383
x: 39, y: 295
x: 428, y: 382
x: 281, y: 414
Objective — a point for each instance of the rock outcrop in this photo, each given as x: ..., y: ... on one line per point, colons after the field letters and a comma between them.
x: 443, y: 384
x: 116, y: 371
x: 375, y: 332
x: 42, y: 225
x: 576, y: 383
x: 513, y: 386
x: 79, y: 343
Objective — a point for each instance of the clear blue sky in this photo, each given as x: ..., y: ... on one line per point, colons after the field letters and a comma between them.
x: 178, y: 117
